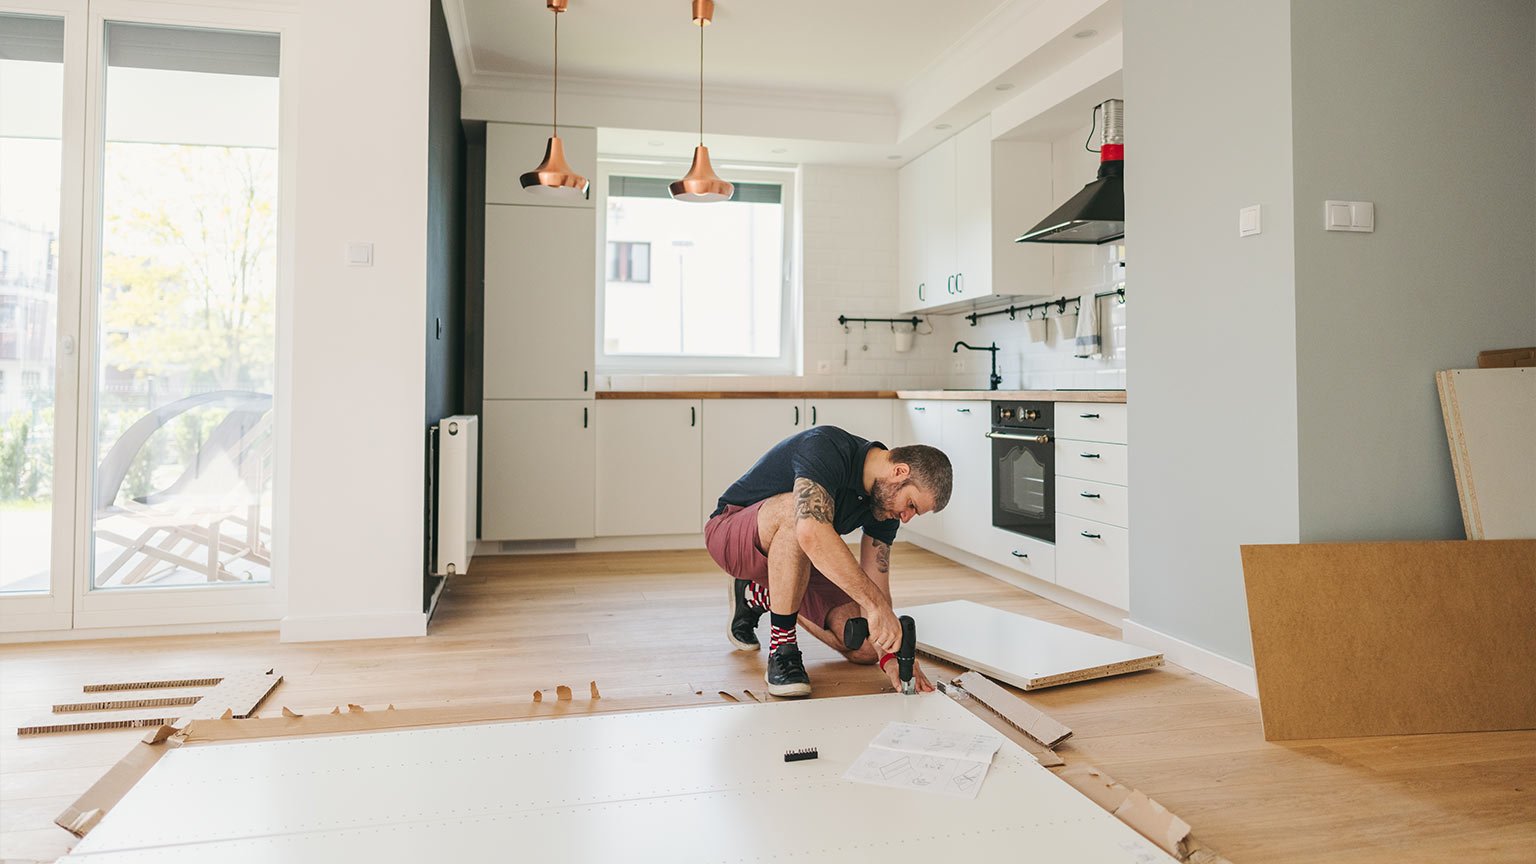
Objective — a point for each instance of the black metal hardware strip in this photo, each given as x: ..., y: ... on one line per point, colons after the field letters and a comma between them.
x: 845, y: 320
x: 1060, y: 303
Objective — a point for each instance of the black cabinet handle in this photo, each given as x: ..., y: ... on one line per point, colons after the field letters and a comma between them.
x: 1018, y: 554
x: 693, y: 415
x: 1089, y: 416
x: 1089, y: 455
x: 1089, y: 536
x: 919, y: 408
x: 583, y: 380
x: 963, y: 410
x: 797, y: 415
x: 959, y: 283
x: 813, y: 415
x: 920, y: 287
x: 1089, y: 494
x: 583, y: 418
x: 951, y: 283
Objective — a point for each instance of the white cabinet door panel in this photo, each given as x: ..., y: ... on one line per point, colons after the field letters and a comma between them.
x: 513, y: 149
x: 1018, y: 552
x: 1088, y: 421
x: 973, y: 210
x: 536, y: 470
x: 967, y: 521
x: 922, y: 422
x: 1101, y: 502
x: 869, y: 419
x: 1091, y: 460
x: 1093, y: 559
x: 540, y: 302
x: 648, y: 467
x: 737, y: 432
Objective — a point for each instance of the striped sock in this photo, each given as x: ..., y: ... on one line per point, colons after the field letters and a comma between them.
x: 757, y: 596
x: 782, y: 631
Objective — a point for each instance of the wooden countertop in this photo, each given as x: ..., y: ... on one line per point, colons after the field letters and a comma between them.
x: 953, y: 395
x: 1017, y: 395
x: 746, y: 394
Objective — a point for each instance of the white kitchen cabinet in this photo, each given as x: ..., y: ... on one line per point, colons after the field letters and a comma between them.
x: 961, y: 205
x: 1019, y: 552
x: 737, y: 432
x: 540, y: 302
x: 969, y: 513
x: 869, y: 419
x: 536, y: 469
x: 514, y: 149
x: 649, y: 462
x: 1092, y: 470
x: 922, y: 422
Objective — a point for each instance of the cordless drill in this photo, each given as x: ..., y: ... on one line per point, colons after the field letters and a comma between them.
x: 856, y: 630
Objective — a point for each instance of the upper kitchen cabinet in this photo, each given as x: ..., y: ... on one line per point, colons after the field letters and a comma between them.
x: 540, y: 302
x: 962, y: 204
x: 513, y: 149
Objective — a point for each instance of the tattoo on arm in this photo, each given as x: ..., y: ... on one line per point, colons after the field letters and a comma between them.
x: 883, y: 556
x: 812, y: 501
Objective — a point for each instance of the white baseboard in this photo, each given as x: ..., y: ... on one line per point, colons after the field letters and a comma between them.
x: 1222, y: 670
x: 84, y: 633
x: 325, y: 628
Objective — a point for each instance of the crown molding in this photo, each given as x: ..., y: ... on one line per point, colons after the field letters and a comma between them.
x: 673, y: 91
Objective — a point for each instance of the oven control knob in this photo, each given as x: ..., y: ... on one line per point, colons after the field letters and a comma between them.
x: 1006, y: 413
x: 1031, y: 414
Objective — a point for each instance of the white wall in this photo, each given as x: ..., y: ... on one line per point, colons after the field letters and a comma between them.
x: 354, y: 557
x: 1212, y: 392
x: 1435, y: 125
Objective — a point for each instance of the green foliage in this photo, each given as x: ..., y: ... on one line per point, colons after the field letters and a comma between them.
x: 13, y: 456
x: 26, y: 456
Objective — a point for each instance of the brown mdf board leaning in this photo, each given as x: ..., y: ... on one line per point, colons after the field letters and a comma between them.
x: 1489, y: 416
x: 1358, y: 639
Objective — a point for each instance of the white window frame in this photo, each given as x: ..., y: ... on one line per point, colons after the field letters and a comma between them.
x: 787, y: 177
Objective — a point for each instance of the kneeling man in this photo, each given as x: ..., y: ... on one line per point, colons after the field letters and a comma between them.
x: 778, y: 532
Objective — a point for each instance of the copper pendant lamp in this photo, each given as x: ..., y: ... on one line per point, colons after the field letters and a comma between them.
x: 701, y: 185
x: 554, y: 177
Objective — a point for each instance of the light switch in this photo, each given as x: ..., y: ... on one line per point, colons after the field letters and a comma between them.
x: 1349, y: 216
x: 1248, y: 221
x: 360, y: 254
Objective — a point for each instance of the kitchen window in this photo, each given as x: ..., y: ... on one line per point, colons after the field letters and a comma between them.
x: 696, y: 288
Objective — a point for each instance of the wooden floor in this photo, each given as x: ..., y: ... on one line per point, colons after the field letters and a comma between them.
x: 652, y: 624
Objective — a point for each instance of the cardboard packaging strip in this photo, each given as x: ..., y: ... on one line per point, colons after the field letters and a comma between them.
x: 1149, y: 818
x: 1022, y: 715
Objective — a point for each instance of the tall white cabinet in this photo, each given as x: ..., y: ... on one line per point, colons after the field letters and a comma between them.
x: 961, y: 205
x: 538, y: 415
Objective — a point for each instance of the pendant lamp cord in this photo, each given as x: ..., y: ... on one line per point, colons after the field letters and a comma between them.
x: 554, y: 111
x: 701, y: 82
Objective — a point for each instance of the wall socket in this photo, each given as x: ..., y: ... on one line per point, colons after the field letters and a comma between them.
x: 957, y: 364
x: 823, y: 367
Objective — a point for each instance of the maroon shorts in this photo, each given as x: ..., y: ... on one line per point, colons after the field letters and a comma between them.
x: 732, y: 538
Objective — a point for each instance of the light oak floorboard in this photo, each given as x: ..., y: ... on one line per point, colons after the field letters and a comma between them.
x: 648, y: 625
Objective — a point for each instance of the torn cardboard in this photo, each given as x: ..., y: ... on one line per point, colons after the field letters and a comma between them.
x: 81, y: 816
x: 1147, y: 817
x: 1355, y: 639
x: 239, y: 695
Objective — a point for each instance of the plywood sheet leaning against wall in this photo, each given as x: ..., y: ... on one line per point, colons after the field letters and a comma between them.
x: 1490, y: 421
x: 1355, y: 639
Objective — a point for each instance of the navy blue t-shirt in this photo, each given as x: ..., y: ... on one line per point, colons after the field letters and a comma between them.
x: 831, y: 458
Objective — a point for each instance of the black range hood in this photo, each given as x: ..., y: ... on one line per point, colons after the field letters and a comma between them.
x: 1097, y: 213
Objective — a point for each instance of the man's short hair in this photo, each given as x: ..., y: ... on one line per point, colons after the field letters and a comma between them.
x: 930, y: 470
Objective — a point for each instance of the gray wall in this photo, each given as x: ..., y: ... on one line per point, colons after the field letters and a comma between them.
x: 1434, y: 124
x: 1211, y: 371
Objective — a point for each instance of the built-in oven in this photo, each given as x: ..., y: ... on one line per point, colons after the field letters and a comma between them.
x: 1024, y: 468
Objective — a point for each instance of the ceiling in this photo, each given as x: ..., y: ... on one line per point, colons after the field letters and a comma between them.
x: 868, y: 48
x: 873, y: 82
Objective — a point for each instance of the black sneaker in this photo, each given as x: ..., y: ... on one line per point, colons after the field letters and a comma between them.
x: 744, y: 618
x: 786, y: 673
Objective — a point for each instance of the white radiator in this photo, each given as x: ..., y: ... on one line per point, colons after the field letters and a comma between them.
x: 458, y: 448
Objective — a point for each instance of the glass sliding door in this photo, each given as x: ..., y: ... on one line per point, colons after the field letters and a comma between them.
x: 184, y: 310
x: 39, y: 307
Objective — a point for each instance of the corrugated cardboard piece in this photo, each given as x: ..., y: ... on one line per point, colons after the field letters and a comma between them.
x: 1018, y: 713
x: 1354, y: 639
x: 1150, y: 819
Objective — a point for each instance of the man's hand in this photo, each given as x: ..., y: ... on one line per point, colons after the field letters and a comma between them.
x: 893, y: 672
x: 884, y: 629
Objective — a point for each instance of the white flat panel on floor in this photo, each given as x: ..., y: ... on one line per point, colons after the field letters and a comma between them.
x: 697, y: 784
x: 1488, y: 418
x: 1025, y: 652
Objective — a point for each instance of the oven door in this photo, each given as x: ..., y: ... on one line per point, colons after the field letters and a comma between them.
x: 1024, y: 483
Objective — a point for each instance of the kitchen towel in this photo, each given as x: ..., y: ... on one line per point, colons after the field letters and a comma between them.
x: 1037, y: 327
x: 1089, y: 345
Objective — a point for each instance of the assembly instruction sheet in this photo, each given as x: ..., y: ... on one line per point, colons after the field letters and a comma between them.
x: 906, y: 756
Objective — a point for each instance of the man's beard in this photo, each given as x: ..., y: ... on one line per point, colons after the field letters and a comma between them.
x: 884, y: 496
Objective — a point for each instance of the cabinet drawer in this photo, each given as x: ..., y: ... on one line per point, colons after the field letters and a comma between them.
x: 1091, y: 421
x: 1091, y: 460
x: 1093, y: 559
x: 1101, y: 502
x: 1017, y: 552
